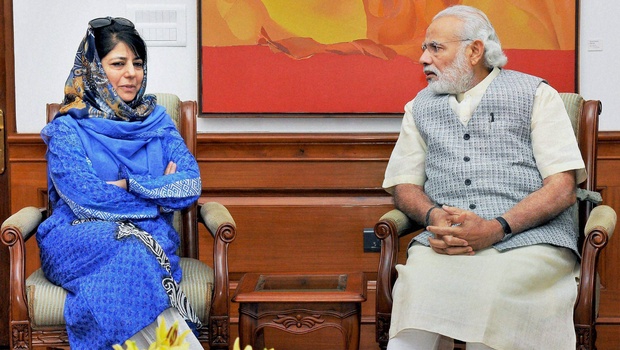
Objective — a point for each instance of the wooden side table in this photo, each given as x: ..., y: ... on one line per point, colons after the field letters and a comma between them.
x: 300, y: 304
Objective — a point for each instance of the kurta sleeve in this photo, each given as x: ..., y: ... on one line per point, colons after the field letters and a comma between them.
x: 408, y: 159
x: 174, y: 191
x: 74, y: 179
x: 553, y: 139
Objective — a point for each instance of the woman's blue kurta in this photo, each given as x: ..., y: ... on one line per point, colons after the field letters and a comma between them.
x: 114, y: 284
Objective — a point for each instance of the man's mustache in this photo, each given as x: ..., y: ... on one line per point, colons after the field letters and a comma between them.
x: 430, y: 69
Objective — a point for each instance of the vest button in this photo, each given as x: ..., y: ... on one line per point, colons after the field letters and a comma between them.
x: 468, y: 182
x: 466, y: 159
x: 472, y: 206
x: 466, y: 137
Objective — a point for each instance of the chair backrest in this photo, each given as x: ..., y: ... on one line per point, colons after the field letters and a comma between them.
x: 183, y: 113
x: 584, y: 115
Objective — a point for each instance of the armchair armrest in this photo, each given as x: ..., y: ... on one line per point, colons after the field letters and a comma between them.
x: 598, y: 230
x: 222, y: 227
x: 392, y: 226
x: 602, y: 218
x: 398, y: 222
x: 24, y: 222
x: 14, y: 232
x: 214, y: 215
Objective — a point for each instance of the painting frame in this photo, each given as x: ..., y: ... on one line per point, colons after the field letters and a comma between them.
x: 396, y: 112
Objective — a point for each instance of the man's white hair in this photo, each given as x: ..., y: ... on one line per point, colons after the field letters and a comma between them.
x: 476, y: 26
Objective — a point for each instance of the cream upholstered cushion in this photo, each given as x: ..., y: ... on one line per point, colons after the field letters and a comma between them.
x: 46, y: 301
x: 197, y: 284
x: 172, y: 103
x: 573, y: 104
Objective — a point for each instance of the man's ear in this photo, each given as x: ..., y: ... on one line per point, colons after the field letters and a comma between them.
x: 477, y: 52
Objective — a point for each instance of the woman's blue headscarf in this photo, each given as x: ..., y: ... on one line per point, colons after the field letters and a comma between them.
x: 89, y: 93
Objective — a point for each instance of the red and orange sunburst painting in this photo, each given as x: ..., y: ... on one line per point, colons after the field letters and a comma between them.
x: 357, y: 56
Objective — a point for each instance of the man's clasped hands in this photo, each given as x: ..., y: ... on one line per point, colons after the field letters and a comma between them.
x: 461, y: 232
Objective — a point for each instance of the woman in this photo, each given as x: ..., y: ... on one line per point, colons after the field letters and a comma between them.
x: 117, y: 169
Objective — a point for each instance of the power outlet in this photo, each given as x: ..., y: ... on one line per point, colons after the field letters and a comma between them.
x: 372, y: 244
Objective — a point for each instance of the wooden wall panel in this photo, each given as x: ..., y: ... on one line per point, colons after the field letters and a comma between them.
x: 286, y: 234
x: 291, y: 175
x: 608, y: 337
x: 301, y: 203
x: 28, y: 183
x: 267, y: 164
x: 608, y: 182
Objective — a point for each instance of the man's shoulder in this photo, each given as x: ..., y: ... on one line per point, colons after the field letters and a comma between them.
x: 516, y: 81
x: 513, y: 74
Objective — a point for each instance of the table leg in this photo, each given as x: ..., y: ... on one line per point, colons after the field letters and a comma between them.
x: 352, y: 326
x: 259, y: 340
x: 246, y: 330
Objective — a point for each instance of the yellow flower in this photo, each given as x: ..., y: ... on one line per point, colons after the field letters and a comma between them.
x: 165, y: 339
x: 169, y: 339
x: 247, y: 347
x: 130, y: 344
x: 236, y: 346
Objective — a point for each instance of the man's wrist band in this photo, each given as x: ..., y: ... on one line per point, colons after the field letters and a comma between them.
x: 427, y: 219
x: 504, y: 223
x: 505, y: 227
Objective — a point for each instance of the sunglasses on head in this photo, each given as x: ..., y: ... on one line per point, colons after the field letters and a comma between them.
x: 106, y: 21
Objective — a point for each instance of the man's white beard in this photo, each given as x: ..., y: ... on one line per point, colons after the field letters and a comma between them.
x: 456, y: 78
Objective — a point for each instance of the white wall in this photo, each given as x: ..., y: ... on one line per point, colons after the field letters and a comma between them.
x: 47, y: 34
x: 600, y: 70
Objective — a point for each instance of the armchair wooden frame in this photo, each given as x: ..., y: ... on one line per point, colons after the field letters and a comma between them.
x: 21, y: 226
x: 596, y: 225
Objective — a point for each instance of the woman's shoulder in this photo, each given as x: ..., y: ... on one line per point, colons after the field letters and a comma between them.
x: 59, y: 126
x: 61, y: 121
x: 161, y: 117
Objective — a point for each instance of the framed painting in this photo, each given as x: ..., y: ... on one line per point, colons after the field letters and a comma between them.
x: 356, y: 57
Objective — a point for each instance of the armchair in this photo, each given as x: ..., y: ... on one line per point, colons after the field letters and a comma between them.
x: 596, y: 226
x: 36, y: 305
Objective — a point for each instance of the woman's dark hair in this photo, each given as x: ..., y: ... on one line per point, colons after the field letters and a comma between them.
x: 106, y: 38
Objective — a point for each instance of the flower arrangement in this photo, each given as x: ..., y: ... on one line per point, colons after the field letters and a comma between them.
x: 248, y: 347
x: 169, y: 339
x: 165, y: 339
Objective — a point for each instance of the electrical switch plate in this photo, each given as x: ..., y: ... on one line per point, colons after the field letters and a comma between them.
x: 160, y: 24
x: 372, y: 244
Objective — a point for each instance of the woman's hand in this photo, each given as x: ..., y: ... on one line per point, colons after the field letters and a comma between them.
x: 122, y: 183
x: 171, y: 168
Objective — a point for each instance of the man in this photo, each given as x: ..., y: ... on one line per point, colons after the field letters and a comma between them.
x: 488, y: 162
